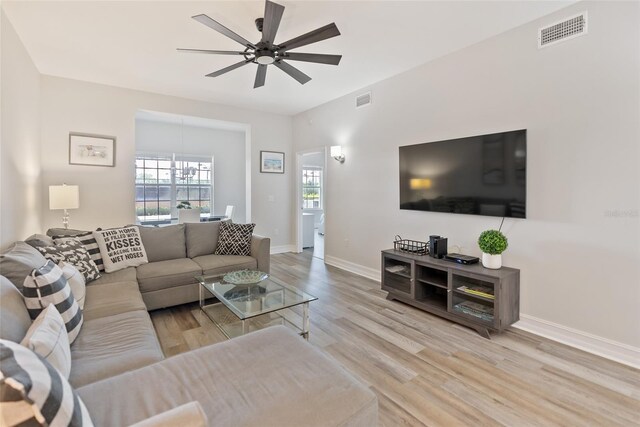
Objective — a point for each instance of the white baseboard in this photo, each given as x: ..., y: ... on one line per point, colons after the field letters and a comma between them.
x: 282, y: 249
x: 590, y: 343
x: 360, y: 270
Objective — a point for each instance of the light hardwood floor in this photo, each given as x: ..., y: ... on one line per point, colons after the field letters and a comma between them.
x: 428, y: 371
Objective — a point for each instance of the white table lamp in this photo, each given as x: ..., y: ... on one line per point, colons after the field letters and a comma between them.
x: 64, y: 197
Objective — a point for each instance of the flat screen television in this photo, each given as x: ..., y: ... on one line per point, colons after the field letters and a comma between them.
x: 477, y: 175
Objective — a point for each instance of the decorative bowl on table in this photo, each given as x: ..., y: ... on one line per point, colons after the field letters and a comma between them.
x: 245, y: 277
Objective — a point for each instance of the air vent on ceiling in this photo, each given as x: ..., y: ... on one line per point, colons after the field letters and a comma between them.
x: 363, y: 100
x: 566, y: 29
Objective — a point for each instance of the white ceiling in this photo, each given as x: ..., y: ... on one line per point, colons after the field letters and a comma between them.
x: 132, y: 44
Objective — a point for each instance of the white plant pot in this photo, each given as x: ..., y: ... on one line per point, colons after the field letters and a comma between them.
x: 493, y: 262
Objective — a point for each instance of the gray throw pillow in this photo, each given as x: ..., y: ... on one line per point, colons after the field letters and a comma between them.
x: 74, y: 253
x: 163, y: 243
x: 39, y: 240
x: 202, y: 238
x: 19, y: 261
x: 235, y: 239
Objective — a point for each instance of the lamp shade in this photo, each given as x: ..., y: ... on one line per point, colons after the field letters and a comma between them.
x: 64, y: 197
x: 336, y: 151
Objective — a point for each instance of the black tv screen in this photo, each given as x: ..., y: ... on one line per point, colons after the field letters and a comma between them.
x: 477, y: 175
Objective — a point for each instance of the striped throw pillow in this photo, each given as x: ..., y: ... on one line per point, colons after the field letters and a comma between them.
x: 47, y: 285
x: 48, y: 337
x: 27, y: 381
x: 89, y: 243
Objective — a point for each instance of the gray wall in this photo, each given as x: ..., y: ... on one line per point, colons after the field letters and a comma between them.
x: 21, y: 196
x: 226, y: 147
x: 579, y: 249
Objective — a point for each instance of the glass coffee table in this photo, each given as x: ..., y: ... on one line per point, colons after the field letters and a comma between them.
x: 240, y: 309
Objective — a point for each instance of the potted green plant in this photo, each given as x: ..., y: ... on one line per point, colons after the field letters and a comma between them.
x: 492, y: 243
x: 184, y: 205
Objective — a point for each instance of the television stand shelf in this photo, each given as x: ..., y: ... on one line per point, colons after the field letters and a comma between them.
x: 471, y: 295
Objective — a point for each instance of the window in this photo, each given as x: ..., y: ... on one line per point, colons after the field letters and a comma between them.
x: 311, y: 188
x: 165, y: 180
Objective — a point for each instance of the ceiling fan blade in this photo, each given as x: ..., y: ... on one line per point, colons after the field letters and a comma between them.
x: 216, y: 52
x: 301, y: 77
x: 204, y: 19
x: 272, y: 16
x: 229, y: 68
x: 260, y: 76
x: 312, y: 57
x: 314, y: 36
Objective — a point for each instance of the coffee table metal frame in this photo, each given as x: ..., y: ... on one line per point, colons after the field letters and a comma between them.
x: 207, y: 283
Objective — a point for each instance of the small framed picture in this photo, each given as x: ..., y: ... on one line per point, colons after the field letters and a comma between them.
x: 271, y: 162
x: 92, y: 150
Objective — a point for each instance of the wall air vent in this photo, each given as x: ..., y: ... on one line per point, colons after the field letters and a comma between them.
x: 566, y: 29
x: 363, y: 100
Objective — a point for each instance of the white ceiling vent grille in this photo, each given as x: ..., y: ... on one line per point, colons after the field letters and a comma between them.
x: 566, y: 29
x: 363, y: 100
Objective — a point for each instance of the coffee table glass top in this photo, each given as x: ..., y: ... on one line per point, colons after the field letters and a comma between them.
x: 247, y: 301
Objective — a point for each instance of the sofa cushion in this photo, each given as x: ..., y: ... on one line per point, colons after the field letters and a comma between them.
x: 202, y: 238
x: 14, y: 317
x: 28, y: 378
x: 111, y: 299
x: 167, y: 274
x: 48, y: 337
x: 125, y: 275
x: 234, y: 239
x: 188, y: 415
x: 267, y: 378
x: 90, y: 244
x: 217, y: 264
x: 19, y: 261
x: 121, y: 248
x: 74, y: 252
x: 111, y: 345
x: 47, y: 285
x: 163, y: 243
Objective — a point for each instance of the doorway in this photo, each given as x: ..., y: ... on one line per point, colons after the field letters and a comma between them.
x: 311, y: 177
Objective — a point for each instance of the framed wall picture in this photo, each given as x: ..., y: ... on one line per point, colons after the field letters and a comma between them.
x: 271, y: 162
x: 92, y: 150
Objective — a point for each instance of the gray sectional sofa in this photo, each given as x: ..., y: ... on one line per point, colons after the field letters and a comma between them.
x: 178, y: 253
x: 267, y: 378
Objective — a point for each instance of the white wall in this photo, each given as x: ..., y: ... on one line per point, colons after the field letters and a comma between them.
x: 578, y: 250
x: 107, y: 194
x: 20, y: 186
x: 226, y: 147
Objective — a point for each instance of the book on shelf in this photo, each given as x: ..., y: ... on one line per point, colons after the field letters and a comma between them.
x: 482, y: 291
x: 474, y: 309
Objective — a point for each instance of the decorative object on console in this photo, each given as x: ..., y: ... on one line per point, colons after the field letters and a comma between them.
x: 64, y: 197
x: 71, y: 250
x: 31, y: 380
x: 47, y: 285
x: 492, y: 243
x: 245, y: 277
x: 188, y: 214
x: 234, y: 239
x: 266, y: 51
x: 92, y: 150
x: 271, y: 162
x: 337, y: 154
x: 410, y: 246
x: 437, y: 246
x: 121, y: 248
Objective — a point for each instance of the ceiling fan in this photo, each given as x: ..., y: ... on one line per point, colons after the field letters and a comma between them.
x: 266, y: 51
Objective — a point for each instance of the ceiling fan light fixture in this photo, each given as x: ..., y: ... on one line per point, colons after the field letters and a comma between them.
x: 265, y: 57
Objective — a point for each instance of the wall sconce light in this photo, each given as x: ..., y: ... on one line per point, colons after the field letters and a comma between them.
x: 336, y: 153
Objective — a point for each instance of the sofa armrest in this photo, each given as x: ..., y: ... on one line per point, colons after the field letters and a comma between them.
x: 187, y: 415
x: 261, y: 251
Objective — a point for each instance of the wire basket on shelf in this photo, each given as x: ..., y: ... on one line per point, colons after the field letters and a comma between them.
x: 410, y: 246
